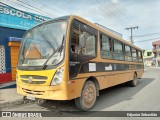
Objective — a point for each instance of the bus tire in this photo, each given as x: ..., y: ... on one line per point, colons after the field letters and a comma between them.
x: 133, y: 82
x: 41, y: 102
x: 25, y: 100
x: 88, y: 97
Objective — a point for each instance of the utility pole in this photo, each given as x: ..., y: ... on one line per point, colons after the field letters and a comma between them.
x: 131, y: 28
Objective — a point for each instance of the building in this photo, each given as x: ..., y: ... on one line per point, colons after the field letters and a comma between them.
x: 13, y: 24
x: 148, y: 57
x: 156, y: 51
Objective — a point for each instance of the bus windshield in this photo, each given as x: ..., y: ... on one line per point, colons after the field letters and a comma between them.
x: 43, y: 45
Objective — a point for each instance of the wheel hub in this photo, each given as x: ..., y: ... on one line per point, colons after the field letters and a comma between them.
x: 89, y: 96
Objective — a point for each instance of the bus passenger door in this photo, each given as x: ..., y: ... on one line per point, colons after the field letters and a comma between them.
x: 82, y: 48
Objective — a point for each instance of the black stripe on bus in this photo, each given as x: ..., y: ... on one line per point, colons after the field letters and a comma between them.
x: 101, y: 75
x: 90, y: 67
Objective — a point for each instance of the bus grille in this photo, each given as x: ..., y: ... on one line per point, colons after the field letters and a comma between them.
x: 34, y: 82
x: 32, y: 79
x: 33, y: 92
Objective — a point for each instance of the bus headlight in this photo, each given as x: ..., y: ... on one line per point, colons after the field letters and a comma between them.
x: 58, y: 77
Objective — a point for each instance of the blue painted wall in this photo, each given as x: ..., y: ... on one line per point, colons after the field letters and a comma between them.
x: 5, y: 33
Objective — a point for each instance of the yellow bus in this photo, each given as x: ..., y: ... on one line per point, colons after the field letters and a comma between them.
x: 71, y: 58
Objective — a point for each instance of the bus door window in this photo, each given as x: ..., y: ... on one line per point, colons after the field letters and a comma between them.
x: 87, y: 44
x: 83, y: 43
x: 74, y: 41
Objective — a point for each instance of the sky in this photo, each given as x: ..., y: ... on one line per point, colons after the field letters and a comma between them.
x: 114, y: 14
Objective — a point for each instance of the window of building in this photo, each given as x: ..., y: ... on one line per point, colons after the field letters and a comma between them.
x: 128, y: 54
x: 118, y: 50
x: 106, y: 47
x: 2, y: 59
x: 149, y: 53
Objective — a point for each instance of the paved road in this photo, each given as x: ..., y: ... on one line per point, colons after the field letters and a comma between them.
x: 144, y: 97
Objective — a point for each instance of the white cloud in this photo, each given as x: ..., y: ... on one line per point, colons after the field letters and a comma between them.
x: 114, y: 1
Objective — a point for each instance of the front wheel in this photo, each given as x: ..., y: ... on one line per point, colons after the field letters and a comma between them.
x: 88, y: 97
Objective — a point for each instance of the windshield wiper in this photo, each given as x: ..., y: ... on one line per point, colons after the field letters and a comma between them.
x: 60, y: 48
x: 45, y: 37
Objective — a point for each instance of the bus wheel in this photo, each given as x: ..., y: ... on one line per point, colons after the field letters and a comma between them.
x: 88, y: 97
x: 133, y: 82
x: 25, y: 100
x: 41, y: 102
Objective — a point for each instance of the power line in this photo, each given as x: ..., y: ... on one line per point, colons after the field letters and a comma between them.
x: 50, y: 11
x: 51, y: 1
x: 112, y: 13
x: 132, y: 28
x: 147, y: 40
x: 24, y: 6
x: 18, y: 9
x: 35, y: 8
x: 105, y: 10
x: 147, y: 34
x: 130, y: 21
x: 119, y: 10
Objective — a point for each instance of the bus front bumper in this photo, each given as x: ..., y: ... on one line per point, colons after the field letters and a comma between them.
x: 42, y: 92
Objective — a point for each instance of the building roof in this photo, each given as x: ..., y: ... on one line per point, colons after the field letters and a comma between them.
x: 156, y: 42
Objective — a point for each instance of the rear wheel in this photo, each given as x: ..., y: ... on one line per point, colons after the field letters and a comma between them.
x: 88, y: 97
x: 133, y: 82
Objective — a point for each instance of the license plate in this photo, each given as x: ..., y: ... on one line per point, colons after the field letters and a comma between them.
x: 30, y: 97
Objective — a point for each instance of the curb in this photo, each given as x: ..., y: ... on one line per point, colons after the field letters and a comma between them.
x: 11, y: 103
x: 8, y: 85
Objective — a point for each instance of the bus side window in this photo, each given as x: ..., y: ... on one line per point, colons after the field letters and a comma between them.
x: 140, y: 56
x: 106, y: 47
x: 118, y: 50
x: 82, y: 42
x: 87, y: 43
x: 134, y: 55
x: 128, y: 54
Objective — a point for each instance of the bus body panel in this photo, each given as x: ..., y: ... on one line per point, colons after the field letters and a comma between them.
x: 46, y: 91
x: 43, y: 92
x: 71, y: 88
